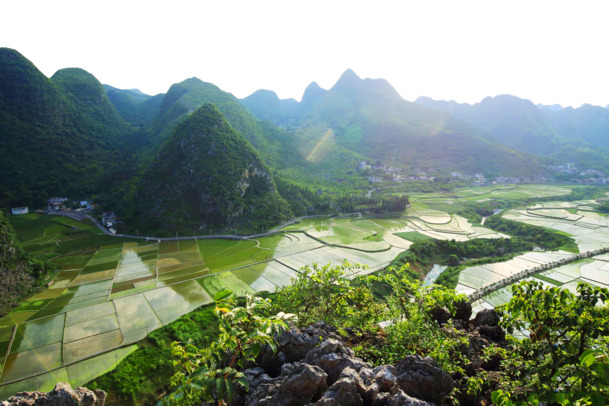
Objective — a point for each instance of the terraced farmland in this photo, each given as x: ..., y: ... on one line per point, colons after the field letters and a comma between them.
x: 110, y: 297
x: 111, y: 292
x: 589, y: 229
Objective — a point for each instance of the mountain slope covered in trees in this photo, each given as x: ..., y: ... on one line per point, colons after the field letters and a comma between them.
x: 59, y: 136
x: 369, y: 117
x: 578, y: 135
x: 21, y: 275
x: 207, y: 176
x: 516, y: 122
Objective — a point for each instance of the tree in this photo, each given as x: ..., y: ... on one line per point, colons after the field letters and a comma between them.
x: 210, y: 374
x: 325, y: 293
x: 559, y: 360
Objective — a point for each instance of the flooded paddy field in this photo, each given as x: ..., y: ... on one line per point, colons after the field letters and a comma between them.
x: 589, y: 229
x: 107, y: 298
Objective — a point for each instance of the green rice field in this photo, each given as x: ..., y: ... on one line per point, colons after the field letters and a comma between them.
x: 112, y: 292
x: 110, y: 296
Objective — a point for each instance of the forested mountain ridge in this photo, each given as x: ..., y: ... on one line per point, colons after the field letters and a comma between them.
x: 58, y: 136
x: 588, y: 125
x: 207, y: 176
x: 135, y: 107
x: 579, y: 135
x: 367, y: 116
x: 187, y: 96
x: 516, y: 122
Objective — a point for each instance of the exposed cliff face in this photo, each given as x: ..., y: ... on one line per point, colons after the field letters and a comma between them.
x: 207, y: 176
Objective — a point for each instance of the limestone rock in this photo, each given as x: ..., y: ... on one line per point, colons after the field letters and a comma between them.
x: 463, y: 311
x: 342, y: 393
x: 422, y: 378
x: 486, y: 317
x: 61, y: 395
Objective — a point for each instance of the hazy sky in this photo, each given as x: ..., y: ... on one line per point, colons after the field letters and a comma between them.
x: 546, y: 51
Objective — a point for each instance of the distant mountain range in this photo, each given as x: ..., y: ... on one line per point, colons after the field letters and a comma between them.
x: 553, y: 131
x: 69, y: 135
x: 369, y: 117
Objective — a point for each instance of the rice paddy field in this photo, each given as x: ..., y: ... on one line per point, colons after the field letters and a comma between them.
x: 112, y: 292
x: 589, y: 229
x: 594, y: 271
x: 109, y: 297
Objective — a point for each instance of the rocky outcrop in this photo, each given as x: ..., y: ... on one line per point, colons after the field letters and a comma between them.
x: 486, y: 317
x: 62, y: 395
x: 422, y: 378
x: 329, y: 374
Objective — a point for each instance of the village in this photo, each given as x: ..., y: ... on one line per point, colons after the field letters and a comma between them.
x: 379, y: 173
x: 62, y: 205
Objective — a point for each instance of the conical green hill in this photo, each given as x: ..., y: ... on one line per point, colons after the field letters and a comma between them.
x: 205, y: 177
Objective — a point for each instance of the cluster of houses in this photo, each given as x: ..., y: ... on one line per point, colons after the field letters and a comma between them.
x: 478, y: 178
x: 383, y: 173
x: 109, y: 219
x: 568, y: 169
x: 62, y: 203
x: 585, y: 176
x: 56, y: 204
x: 593, y: 181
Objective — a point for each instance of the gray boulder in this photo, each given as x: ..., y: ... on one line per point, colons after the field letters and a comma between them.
x: 342, y: 393
x: 333, y: 357
x: 422, y: 378
x: 293, y: 345
x: 398, y: 399
x: 298, y: 384
x: 486, y: 317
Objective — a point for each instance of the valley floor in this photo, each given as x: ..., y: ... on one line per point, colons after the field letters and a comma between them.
x: 113, y: 291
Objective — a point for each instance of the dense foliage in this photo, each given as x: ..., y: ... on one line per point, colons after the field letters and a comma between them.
x: 564, y: 357
x: 207, y: 177
x: 211, y: 373
x: 540, y: 236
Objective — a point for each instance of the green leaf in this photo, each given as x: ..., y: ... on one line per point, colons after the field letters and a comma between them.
x: 603, y: 371
x: 243, y: 381
x: 230, y: 388
x: 223, y: 294
x: 220, y: 387
x: 587, y: 358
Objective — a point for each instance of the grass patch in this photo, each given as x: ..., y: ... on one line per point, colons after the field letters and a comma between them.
x: 450, y: 277
x: 413, y: 236
x: 548, y: 279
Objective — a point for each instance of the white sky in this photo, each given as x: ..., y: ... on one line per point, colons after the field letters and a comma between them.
x: 546, y: 51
